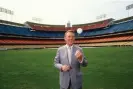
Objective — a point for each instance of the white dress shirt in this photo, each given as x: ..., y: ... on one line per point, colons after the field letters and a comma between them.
x: 69, y: 49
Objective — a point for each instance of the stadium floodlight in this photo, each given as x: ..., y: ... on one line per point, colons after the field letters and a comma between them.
x: 39, y: 20
x: 6, y: 12
x: 100, y: 17
x: 129, y: 7
x: 79, y: 30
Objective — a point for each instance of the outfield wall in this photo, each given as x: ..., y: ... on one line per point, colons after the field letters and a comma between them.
x: 4, y: 47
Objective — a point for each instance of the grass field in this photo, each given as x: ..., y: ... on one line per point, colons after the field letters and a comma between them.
x: 108, y: 68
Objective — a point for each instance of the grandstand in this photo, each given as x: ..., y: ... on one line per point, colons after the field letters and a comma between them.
x: 108, y: 32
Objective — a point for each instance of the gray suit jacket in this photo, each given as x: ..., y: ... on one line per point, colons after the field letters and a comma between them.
x: 74, y: 74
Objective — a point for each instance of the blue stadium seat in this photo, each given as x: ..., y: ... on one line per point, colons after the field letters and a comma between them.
x: 22, y: 31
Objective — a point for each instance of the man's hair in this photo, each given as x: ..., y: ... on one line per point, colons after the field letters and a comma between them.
x: 71, y: 31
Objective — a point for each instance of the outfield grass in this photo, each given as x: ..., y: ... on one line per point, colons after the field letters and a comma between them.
x: 108, y: 68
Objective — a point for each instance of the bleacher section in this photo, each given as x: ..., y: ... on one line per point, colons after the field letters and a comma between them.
x: 99, y: 33
x: 88, y: 26
x: 21, y: 31
x: 61, y: 41
x: 116, y: 28
x: 46, y: 27
x: 12, y: 23
x: 94, y: 25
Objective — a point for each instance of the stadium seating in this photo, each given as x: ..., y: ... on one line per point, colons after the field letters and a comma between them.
x: 89, y: 26
x: 31, y: 41
x: 94, y: 34
x: 21, y: 31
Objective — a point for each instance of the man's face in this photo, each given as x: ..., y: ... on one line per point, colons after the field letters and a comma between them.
x: 69, y: 38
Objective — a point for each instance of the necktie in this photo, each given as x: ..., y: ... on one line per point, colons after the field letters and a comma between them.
x: 69, y: 54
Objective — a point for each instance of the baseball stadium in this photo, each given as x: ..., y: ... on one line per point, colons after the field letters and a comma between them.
x: 27, y: 52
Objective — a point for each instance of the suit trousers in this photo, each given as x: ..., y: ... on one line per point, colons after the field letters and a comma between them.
x: 70, y: 86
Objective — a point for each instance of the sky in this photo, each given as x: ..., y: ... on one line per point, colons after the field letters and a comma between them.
x: 59, y: 12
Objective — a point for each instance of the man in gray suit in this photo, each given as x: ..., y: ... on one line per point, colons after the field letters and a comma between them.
x: 68, y: 60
